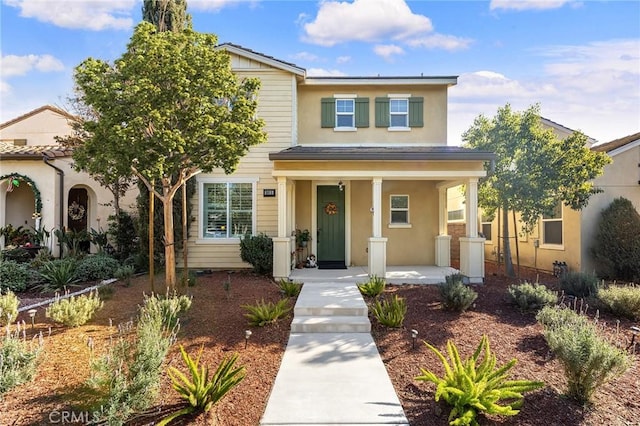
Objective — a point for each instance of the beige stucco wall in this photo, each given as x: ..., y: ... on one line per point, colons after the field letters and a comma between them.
x: 38, y: 129
x: 434, y: 131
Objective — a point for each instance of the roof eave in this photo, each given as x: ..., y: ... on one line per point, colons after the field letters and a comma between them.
x: 440, y: 156
x: 396, y: 81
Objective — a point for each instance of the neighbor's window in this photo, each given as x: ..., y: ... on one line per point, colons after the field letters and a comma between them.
x: 228, y: 209
x: 399, y: 112
x: 399, y: 209
x: 485, y: 225
x: 552, y: 226
x: 455, y: 215
x: 345, y: 110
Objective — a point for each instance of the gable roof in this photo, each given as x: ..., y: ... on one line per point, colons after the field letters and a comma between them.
x: 617, y: 143
x: 9, y: 151
x: 261, y: 57
x: 591, y: 141
x: 36, y: 112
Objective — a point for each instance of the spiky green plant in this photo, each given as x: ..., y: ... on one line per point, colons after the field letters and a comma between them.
x: 475, y: 385
x: 289, y: 288
x: 201, y: 391
x: 8, y: 307
x: 263, y: 313
x: 390, y: 312
x: 58, y: 274
x: 374, y: 287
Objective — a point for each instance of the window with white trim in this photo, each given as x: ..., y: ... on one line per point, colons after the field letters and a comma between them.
x: 228, y: 209
x: 399, y: 113
x: 552, y: 226
x: 485, y: 226
x: 399, y: 209
x: 345, y: 113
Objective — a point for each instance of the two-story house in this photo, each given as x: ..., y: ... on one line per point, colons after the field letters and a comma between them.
x: 361, y: 162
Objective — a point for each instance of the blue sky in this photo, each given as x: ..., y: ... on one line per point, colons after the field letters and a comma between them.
x: 580, y: 60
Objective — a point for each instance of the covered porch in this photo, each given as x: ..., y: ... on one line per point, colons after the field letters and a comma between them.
x: 358, y: 274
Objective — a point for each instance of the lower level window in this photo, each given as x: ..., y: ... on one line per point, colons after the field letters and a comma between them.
x: 399, y: 209
x: 227, y: 209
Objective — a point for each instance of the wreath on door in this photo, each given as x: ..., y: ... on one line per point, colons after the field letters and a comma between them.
x: 76, y: 211
x: 331, y: 209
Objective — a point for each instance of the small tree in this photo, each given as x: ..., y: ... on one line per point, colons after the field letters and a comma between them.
x: 534, y: 170
x: 616, y: 247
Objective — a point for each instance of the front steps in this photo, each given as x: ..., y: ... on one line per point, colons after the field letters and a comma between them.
x: 330, y: 308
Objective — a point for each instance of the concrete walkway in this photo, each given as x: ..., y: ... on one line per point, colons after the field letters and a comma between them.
x: 331, y: 371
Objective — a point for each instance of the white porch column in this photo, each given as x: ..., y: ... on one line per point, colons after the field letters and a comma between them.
x: 443, y: 240
x: 472, y: 246
x: 377, y: 249
x: 282, y: 243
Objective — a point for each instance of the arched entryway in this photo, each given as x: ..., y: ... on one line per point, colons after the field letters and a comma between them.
x: 78, y: 213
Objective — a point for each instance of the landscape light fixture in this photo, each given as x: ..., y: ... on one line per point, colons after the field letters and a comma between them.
x: 247, y: 334
x: 414, y: 336
x: 32, y: 315
x: 634, y: 331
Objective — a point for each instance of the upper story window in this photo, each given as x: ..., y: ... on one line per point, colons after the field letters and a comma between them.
x: 552, y: 227
x: 400, y: 111
x: 228, y: 208
x: 344, y: 112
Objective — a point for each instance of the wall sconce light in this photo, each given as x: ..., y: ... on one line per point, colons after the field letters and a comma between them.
x: 32, y: 315
x: 414, y: 336
x: 341, y: 186
x: 247, y: 334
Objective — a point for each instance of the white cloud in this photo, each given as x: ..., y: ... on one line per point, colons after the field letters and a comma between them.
x: 215, y: 5
x: 388, y: 51
x: 441, y: 41
x: 363, y: 20
x: 343, y: 59
x: 306, y: 56
x: 528, y: 4
x: 13, y: 65
x: 93, y: 15
x: 4, y: 88
x: 321, y: 72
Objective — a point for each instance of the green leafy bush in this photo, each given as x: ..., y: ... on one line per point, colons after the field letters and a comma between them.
x: 74, y: 311
x: 168, y: 307
x: 59, y: 273
x: 200, y: 391
x: 579, y: 284
x: 8, y: 307
x: 122, y: 229
x: 531, y: 297
x: 257, y: 250
x: 616, y: 247
x: 588, y: 359
x: 18, y: 362
x: 455, y: 295
x: 97, y: 267
x: 17, y: 254
x: 124, y: 274
x: 289, y: 288
x: 622, y: 300
x: 475, y: 385
x: 13, y: 276
x: 263, y: 313
x: 390, y: 313
x: 374, y: 287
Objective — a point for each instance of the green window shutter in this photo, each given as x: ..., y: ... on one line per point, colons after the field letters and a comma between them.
x: 416, y: 111
x: 362, y: 112
x: 328, y: 112
x: 382, y: 112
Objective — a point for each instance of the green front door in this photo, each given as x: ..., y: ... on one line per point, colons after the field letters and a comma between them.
x: 331, y: 224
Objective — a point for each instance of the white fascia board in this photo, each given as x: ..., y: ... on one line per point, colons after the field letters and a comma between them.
x: 383, y: 174
x: 373, y: 81
x: 624, y: 148
x: 265, y: 60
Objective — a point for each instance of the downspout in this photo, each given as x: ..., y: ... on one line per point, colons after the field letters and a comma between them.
x: 60, y: 173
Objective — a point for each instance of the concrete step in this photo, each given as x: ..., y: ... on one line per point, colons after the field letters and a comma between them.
x: 330, y: 310
x: 330, y: 324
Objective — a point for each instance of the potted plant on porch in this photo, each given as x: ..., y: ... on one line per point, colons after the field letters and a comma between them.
x: 302, y: 237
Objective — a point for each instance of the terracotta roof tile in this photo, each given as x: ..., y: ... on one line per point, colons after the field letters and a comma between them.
x: 9, y: 151
x: 616, y: 143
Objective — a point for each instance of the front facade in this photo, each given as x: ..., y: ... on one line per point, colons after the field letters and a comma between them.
x: 362, y: 164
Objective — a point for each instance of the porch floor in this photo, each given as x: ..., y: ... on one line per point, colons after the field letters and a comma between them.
x: 424, y: 274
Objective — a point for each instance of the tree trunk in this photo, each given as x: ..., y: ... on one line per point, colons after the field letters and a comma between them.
x: 184, y: 233
x: 508, y: 263
x: 515, y: 236
x: 152, y: 197
x: 169, y: 246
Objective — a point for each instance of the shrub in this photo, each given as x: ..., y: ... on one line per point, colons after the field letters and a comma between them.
x: 390, y: 313
x: 587, y: 358
x: 74, y: 311
x: 258, y: 251
x: 18, y: 362
x: 97, y: 267
x: 531, y: 297
x: 168, y: 307
x: 8, y: 307
x: 473, y: 386
x: 58, y: 274
x: 456, y: 296
x: 123, y: 232
x: 124, y: 274
x: 622, y: 300
x: 202, y: 392
x: 289, y: 288
x: 374, y: 287
x: 128, y: 376
x: 579, y: 284
x: 13, y: 276
x: 263, y: 313
x: 616, y: 249
x: 17, y: 254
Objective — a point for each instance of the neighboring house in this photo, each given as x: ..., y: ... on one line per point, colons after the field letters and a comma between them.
x: 50, y: 194
x: 361, y: 162
x: 567, y: 235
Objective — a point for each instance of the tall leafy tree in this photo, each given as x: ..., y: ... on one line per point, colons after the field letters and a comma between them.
x: 534, y: 169
x: 175, y: 109
x: 166, y: 15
